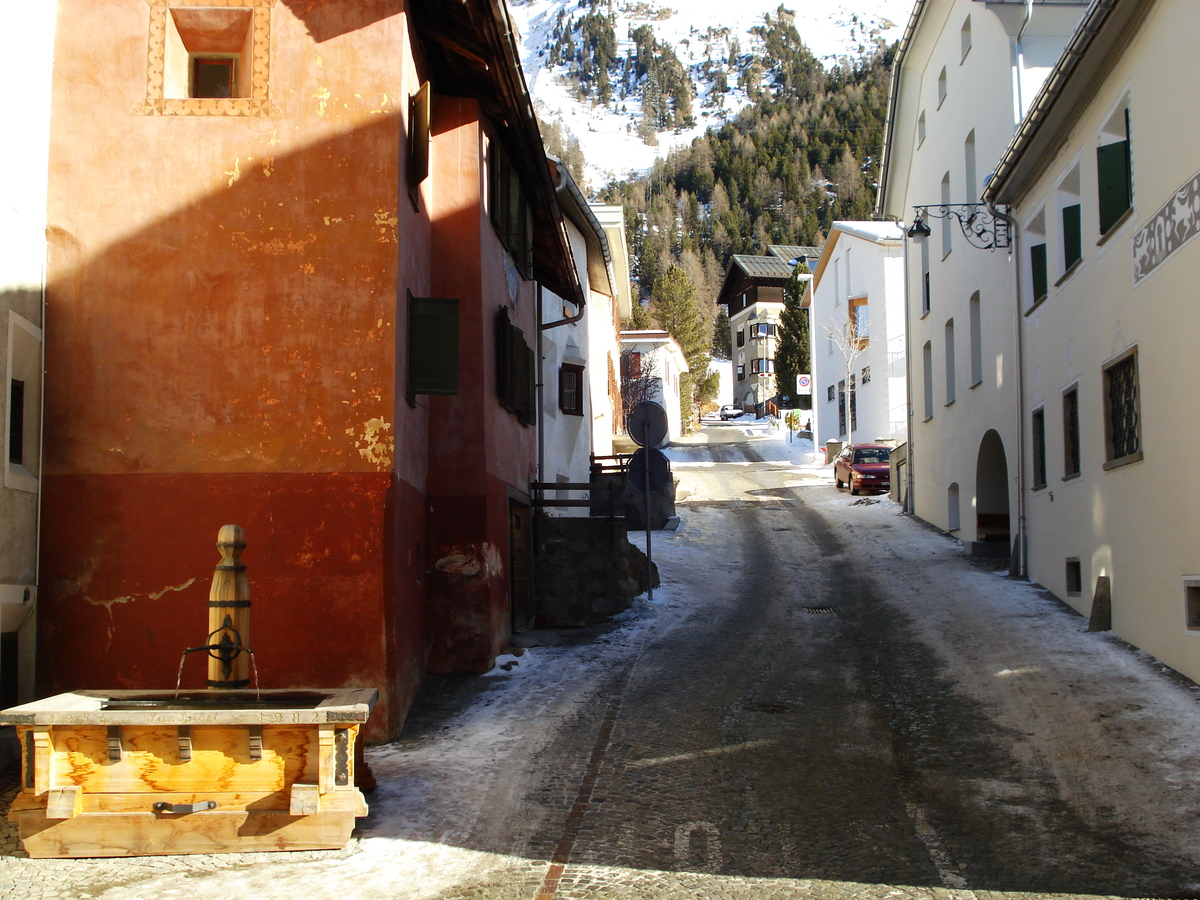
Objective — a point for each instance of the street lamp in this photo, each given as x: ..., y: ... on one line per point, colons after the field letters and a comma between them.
x: 983, y: 226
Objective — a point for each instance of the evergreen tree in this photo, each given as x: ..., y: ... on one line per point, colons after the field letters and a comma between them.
x: 793, y: 351
x: 675, y: 308
x: 722, y: 344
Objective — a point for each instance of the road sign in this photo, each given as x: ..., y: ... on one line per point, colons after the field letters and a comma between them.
x: 647, y: 424
x: 803, y: 384
x: 660, y: 469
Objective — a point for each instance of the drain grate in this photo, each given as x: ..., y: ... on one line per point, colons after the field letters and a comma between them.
x: 772, y: 709
x: 821, y: 610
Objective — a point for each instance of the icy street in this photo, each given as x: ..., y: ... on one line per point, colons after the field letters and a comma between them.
x: 824, y: 699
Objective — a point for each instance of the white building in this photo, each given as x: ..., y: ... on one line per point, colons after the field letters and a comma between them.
x: 22, y: 289
x: 653, y: 356
x: 608, y: 415
x: 1104, y: 183
x: 964, y: 73
x: 580, y: 398
x: 856, y: 312
x: 753, y: 293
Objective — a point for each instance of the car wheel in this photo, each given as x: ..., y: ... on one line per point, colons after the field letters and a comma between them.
x: 853, y: 489
x: 837, y: 482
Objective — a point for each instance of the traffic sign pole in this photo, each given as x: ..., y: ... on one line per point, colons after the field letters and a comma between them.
x: 649, y: 555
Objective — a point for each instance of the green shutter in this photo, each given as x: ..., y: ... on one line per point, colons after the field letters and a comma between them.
x: 1072, y: 222
x: 432, y: 346
x: 1037, y: 266
x: 1113, y: 177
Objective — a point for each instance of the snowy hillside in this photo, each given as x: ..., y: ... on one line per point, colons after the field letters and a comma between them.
x: 711, y: 38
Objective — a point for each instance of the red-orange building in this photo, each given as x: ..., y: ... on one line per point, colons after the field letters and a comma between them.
x: 244, y: 200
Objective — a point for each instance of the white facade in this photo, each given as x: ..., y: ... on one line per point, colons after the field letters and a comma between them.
x: 22, y: 286
x: 604, y: 343
x: 1108, y: 335
x: 755, y: 331
x: 856, y: 315
x: 656, y: 353
x: 579, y: 355
x: 961, y: 79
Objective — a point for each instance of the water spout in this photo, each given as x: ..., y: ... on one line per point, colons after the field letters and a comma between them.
x: 230, y: 658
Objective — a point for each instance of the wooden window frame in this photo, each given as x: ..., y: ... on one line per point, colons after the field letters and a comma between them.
x: 570, y: 398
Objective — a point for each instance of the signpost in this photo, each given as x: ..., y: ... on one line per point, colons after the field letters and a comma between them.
x: 647, y: 425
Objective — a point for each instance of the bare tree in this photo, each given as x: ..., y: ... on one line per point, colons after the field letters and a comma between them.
x: 849, y: 339
x: 639, y: 379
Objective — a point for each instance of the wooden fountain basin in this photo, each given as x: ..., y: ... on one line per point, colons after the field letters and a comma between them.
x: 137, y: 773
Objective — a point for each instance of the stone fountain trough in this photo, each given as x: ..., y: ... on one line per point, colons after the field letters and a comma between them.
x: 223, y: 770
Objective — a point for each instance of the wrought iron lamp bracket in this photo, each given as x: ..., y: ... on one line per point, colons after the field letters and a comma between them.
x: 980, y: 225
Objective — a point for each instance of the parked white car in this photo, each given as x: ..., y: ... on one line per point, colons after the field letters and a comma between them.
x: 731, y: 411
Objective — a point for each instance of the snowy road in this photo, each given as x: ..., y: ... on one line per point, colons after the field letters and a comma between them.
x: 825, y: 699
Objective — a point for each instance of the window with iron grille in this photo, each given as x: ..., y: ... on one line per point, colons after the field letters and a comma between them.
x: 841, y: 395
x: 1122, y: 420
x: 866, y: 375
x: 830, y: 394
x: 741, y: 372
x: 1038, y: 437
x: 853, y: 406
x: 1071, y: 460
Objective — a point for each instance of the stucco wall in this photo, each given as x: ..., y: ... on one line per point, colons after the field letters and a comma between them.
x: 224, y: 294
x: 1135, y: 524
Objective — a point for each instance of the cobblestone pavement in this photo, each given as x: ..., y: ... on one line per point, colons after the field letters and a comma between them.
x: 816, y: 710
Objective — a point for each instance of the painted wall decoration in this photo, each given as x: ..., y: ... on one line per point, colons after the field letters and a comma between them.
x: 1169, y: 229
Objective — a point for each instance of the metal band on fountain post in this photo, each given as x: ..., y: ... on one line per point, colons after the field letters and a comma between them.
x: 229, y: 614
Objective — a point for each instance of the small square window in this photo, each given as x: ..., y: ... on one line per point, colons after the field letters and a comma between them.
x: 1074, y: 577
x: 1191, y: 599
x: 213, y: 76
x: 208, y: 59
x: 570, y: 389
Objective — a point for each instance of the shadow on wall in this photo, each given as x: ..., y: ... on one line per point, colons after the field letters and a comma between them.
x: 325, y: 20
x: 235, y: 362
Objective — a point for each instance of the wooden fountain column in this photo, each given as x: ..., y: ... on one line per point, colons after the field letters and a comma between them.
x: 229, y: 614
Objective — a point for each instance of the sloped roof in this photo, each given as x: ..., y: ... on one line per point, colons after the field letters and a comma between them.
x: 788, y: 252
x: 471, y: 51
x: 762, y: 266
x: 1101, y: 35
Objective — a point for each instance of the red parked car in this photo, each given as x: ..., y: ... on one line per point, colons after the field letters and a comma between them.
x: 863, y: 467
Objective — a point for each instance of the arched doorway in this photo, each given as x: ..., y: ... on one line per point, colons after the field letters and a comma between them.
x: 991, y: 495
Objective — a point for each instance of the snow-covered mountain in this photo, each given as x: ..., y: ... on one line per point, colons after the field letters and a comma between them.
x: 714, y: 41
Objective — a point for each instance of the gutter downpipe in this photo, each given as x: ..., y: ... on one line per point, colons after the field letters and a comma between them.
x: 910, y: 505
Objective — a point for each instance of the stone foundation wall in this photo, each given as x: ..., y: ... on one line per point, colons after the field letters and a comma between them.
x: 585, y: 570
